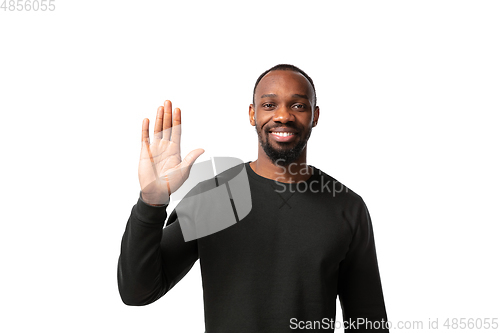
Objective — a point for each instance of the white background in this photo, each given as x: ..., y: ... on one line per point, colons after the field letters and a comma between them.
x: 409, y: 98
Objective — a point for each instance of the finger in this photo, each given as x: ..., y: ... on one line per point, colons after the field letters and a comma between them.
x: 158, y: 123
x: 146, y: 149
x: 145, y: 139
x: 145, y: 131
x: 176, y: 129
x: 167, y: 119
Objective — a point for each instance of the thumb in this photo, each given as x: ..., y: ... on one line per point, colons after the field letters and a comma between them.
x: 191, y: 158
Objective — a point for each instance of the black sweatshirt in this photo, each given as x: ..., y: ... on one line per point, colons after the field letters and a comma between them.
x: 277, y: 270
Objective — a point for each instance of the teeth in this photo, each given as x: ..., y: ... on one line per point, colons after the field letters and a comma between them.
x: 284, y: 134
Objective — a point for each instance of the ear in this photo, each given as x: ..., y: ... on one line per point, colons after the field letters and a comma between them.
x: 251, y: 114
x: 316, y: 116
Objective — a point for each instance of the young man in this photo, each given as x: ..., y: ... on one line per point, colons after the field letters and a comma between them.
x: 307, y: 238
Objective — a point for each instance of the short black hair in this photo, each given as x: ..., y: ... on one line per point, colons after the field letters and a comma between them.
x: 285, y: 67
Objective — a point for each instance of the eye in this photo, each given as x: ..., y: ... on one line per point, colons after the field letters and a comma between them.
x: 299, y: 106
x: 267, y: 105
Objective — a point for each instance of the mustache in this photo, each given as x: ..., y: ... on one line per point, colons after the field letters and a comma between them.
x: 270, y: 127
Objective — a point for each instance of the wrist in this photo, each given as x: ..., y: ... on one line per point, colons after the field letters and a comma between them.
x: 154, y: 201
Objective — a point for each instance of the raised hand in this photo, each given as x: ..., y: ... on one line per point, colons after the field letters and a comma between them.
x: 161, y: 169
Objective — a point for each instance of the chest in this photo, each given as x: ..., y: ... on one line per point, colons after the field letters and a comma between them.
x: 284, y: 231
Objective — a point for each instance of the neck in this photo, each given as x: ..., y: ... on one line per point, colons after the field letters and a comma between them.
x: 294, y: 172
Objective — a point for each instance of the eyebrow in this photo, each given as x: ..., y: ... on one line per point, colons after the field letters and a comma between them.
x: 294, y: 95
x: 301, y: 96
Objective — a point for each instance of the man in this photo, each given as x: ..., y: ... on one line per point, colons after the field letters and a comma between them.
x: 307, y: 238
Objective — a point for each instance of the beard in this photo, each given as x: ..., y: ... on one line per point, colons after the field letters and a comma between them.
x: 287, y: 152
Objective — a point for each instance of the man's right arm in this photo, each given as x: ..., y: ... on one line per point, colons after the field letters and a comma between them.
x: 152, y: 259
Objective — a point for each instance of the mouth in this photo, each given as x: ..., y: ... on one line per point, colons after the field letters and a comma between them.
x: 283, y: 134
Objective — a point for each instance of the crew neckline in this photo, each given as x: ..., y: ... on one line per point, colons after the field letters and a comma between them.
x: 261, y: 179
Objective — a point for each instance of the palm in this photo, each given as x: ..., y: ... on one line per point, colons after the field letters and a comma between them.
x: 161, y: 169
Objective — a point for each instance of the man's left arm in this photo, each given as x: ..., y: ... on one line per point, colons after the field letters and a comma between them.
x: 360, y: 288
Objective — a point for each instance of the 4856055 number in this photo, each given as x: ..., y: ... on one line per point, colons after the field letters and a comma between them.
x: 28, y: 5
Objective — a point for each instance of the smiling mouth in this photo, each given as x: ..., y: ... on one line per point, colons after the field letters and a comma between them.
x: 283, y: 134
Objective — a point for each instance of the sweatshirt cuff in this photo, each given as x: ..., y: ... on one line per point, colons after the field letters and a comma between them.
x: 148, y: 213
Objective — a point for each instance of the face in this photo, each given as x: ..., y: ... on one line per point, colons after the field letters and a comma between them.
x: 283, y: 115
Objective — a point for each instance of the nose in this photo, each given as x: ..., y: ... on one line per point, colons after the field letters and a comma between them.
x: 283, y: 115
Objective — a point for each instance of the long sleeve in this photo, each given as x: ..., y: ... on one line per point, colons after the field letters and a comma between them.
x: 360, y: 288
x: 153, y: 258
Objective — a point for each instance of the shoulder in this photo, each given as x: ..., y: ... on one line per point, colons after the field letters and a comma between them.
x: 335, y: 187
x: 352, y: 203
x: 234, y: 175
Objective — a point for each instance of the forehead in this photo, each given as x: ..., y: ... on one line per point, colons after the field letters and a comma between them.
x: 284, y: 84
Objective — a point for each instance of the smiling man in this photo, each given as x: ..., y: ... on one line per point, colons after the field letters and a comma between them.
x: 306, y: 240
x: 283, y: 112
